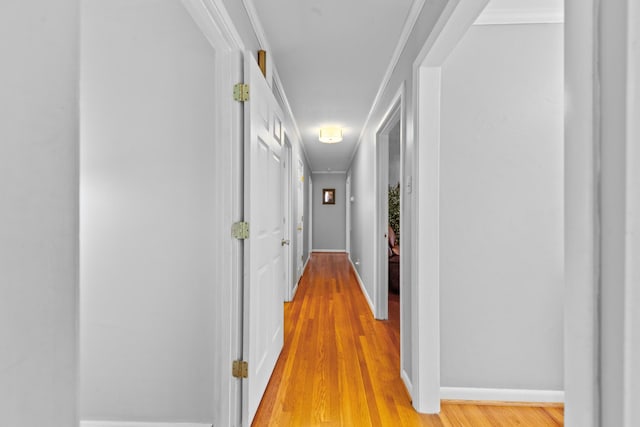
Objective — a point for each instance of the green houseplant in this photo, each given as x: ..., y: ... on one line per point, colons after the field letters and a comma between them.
x: 394, y: 210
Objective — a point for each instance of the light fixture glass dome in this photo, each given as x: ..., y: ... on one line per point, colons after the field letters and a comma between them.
x: 330, y: 135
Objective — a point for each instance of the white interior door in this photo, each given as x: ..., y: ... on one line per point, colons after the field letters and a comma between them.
x: 300, y: 220
x: 287, y: 286
x: 263, y: 311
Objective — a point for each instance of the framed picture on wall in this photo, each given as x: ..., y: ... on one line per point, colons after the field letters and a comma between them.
x: 328, y: 196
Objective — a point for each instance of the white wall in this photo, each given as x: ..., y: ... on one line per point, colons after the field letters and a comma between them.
x: 329, y: 221
x: 148, y: 208
x: 38, y: 212
x: 362, y: 169
x: 502, y: 209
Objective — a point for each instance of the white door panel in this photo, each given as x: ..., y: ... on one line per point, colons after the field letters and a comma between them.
x: 300, y: 220
x: 263, y: 313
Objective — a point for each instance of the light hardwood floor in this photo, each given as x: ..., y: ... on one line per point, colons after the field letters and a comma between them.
x: 340, y: 366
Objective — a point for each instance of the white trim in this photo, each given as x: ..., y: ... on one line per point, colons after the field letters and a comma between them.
x: 508, y: 16
x: 362, y: 287
x: 272, y: 70
x: 309, y: 226
x: 392, y: 116
x: 214, y: 21
x: 380, y: 221
x: 258, y: 29
x: 288, y: 110
x: 295, y: 288
x: 412, y: 18
x: 426, y: 243
x: 581, y: 224
x: 348, y: 208
x: 455, y: 20
x: 217, y: 27
x: 631, y: 410
x: 304, y: 268
x: 289, y: 231
x: 329, y: 172
x: 341, y: 251
x: 502, y: 395
x: 138, y: 424
x: 407, y: 380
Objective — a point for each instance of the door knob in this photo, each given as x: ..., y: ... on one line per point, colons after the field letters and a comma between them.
x: 284, y: 242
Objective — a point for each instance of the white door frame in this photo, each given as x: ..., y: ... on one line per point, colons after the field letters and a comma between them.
x: 300, y: 223
x: 453, y: 23
x: 348, y: 215
x: 582, y: 249
x: 217, y: 26
x: 288, y: 216
x: 582, y: 153
x: 599, y: 160
x: 632, y: 276
x: 393, y: 116
x: 309, y: 225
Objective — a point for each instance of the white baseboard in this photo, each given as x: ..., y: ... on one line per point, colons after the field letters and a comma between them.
x: 407, y: 382
x: 138, y: 424
x: 364, y: 290
x: 304, y: 269
x: 501, y: 395
x: 340, y: 251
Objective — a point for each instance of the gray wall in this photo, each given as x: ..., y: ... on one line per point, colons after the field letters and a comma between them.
x: 147, y: 212
x: 362, y: 168
x: 38, y: 212
x: 501, y: 289
x: 329, y: 228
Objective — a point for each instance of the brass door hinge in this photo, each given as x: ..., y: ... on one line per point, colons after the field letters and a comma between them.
x: 240, y: 230
x: 240, y: 369
x: 241, y: 92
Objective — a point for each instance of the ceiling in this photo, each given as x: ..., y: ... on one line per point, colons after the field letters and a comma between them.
x: 332, y: 55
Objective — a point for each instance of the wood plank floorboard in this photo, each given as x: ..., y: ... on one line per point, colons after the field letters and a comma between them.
x: 341, y: 367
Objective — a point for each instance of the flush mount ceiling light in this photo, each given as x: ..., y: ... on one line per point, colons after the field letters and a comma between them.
x: 330, y: 135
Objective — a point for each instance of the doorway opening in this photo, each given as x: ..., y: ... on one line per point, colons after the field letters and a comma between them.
x: 489, y: 176
x: 389, y: 148
x: 158, y: 192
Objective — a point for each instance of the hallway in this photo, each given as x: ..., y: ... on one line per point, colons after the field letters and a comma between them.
x: 339, y: 366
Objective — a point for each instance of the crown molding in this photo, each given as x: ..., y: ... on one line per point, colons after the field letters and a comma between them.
x: 507, y: 16
x: 410, y: 22
x: 214, y: 21
x: 258, y: 29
